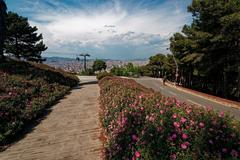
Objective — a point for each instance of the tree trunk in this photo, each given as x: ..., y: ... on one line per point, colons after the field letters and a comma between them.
x: 1, y: 36
x: 17, y: 55
x: 1, y: 51
x: 238, y: 86
x: 225, y: 94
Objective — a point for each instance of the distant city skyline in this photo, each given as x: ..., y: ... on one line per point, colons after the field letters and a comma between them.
x: 107, y: 29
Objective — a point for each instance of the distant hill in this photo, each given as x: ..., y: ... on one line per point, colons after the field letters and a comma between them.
x: 56, y: 59
x: 70, y: 64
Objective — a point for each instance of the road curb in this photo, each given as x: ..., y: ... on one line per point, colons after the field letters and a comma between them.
x: 218, y: 100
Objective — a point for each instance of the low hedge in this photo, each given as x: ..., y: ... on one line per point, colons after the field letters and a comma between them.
x: 26, y: 89
x: 139, y: 123
x: 103, y: 74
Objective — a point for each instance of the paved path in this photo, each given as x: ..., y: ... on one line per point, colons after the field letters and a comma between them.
x: 156, y: 84
x: 69, y: 132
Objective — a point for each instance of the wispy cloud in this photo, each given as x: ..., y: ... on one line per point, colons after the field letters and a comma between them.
x: 115, y: 29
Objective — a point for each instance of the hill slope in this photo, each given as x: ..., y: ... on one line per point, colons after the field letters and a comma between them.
x: 26, y: 89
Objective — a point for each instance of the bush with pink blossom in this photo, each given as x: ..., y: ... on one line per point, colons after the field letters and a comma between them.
x: 139, y: 123
x: 26, y: 89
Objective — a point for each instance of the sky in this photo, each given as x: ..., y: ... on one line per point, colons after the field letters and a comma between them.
x: 109, y: 29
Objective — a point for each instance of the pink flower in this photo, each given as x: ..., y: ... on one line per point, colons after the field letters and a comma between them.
x: 184, y: 146
x: 183, y: 120
x: 192, y: 122
x: 221, y: 114
x: 151, y: 119
x: 137, y: 154
x: 187, y: 143
x: 176, y: 124
x: 178, y: 103
x: 201, y: 125
x: 234, y: 153
x: 210, y: 141
x: 173, y: 156
x: 184, y: 136
x: 134, y: 138
x: 141, y: 96
x: 174, y: 116
x: 161, y: 111
x: 209, y: 108
x: 174, y: 136
x: 211, y: 129
x: 188, y: 111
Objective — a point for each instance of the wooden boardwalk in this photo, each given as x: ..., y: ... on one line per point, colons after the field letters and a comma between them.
x: 70, y: 132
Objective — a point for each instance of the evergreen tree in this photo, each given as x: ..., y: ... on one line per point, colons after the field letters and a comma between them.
x: 22, y: 40
x: 3, y: 9
x: 162, y: 65
x: 209, y: 48
x: 99, y: 65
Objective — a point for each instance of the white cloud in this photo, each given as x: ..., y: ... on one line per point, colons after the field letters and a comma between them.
x: 109, y: 25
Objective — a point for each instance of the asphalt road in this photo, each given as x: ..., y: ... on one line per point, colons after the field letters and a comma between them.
x: 157, y: 85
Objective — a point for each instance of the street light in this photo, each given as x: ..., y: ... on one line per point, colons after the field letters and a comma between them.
x: 176, y: 75
x: 85, y: 55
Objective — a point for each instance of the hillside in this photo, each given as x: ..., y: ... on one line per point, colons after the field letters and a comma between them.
x: 26, y: 89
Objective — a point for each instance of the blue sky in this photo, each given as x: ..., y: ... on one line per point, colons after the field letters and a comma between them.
x: 116, y: 29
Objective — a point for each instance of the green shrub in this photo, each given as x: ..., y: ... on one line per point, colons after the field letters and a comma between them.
x: 103, y: 74
x: 88, y: 72
x: 128, y: 70
x: 26, y: 89
x: 139, y: 123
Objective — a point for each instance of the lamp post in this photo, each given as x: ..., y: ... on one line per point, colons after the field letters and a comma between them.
x: 176, y: 74
x: 85, y: 55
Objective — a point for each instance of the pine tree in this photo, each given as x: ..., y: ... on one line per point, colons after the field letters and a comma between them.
x: 22, y: 40
x: 209, y: 48
x: 99, y: 65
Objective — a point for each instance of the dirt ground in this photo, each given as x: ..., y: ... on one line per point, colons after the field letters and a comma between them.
x: 70, y: 131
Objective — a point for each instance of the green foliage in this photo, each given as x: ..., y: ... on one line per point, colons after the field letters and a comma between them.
x: 160, y: 65
x: 88, y: 72
x: 101, y: 75
x: 26, y: 89
x: 3, y: 9
x: 209, y: 48
x: 128, y: 70
x: 140, y: 124
x: 146, y: 70
x: 22, y: 40
x: 99, y: 65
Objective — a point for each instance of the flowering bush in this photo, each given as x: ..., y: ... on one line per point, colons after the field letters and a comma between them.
x: 26, y: 89
x: 139, y: 123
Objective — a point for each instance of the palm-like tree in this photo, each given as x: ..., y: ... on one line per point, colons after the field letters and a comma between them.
x: 3, y: 12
